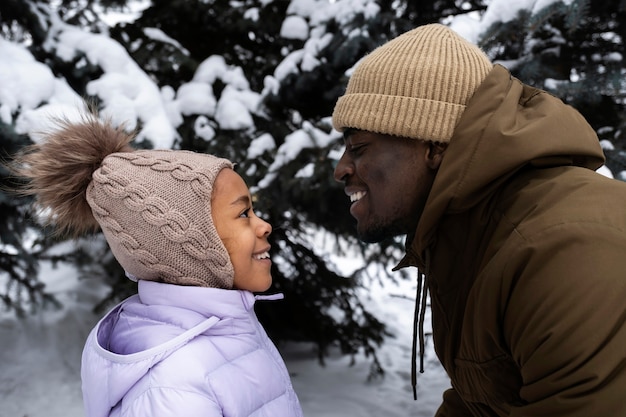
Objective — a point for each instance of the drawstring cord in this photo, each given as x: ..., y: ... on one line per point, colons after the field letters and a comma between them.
x: 418, y: 323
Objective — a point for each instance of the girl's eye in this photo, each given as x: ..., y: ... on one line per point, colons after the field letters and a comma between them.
x: 245, y: 213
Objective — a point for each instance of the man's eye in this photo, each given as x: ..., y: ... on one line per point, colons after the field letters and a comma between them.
x: 356, y: 149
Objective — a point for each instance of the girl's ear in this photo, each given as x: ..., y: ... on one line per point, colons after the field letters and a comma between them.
x: 434, y: 154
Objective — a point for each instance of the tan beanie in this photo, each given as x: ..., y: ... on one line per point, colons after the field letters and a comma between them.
x: 154, y: 207
x: 416, y: 85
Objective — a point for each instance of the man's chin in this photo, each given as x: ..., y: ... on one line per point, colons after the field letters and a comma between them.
x: 371, y: 236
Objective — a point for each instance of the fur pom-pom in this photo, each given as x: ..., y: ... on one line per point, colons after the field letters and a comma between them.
x: 59, y: 168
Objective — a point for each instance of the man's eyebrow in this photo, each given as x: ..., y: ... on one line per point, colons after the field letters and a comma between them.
x: 347, y: 133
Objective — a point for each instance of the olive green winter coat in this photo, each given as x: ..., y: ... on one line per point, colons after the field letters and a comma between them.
x: 524, y: 246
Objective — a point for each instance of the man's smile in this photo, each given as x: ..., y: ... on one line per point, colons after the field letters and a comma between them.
x: 356, y: 196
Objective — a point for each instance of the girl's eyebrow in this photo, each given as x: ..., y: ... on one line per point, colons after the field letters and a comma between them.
x: 242, y: 200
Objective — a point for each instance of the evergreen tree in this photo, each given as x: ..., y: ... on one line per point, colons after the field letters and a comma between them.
x: 576, y: 51
x: 296, y: 81
x: 22, y: 291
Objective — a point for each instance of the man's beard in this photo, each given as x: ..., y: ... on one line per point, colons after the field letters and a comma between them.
x: 379, y: 231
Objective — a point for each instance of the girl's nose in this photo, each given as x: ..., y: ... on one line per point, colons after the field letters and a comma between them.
x: 264, y: 228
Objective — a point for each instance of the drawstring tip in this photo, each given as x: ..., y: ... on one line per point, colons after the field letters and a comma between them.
x: 414, y: 393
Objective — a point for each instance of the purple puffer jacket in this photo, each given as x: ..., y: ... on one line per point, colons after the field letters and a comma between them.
x: 184, y: 351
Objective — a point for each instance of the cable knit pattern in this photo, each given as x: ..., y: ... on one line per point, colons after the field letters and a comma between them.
x: 155, y: 211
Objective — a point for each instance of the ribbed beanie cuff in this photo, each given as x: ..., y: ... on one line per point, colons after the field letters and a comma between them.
x: 416, y: 85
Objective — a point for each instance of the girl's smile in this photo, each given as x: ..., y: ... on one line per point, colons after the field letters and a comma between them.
x: 244, y: 234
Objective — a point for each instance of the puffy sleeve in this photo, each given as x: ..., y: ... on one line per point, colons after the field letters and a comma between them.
x: 170, y: 402
x: 565, y: 321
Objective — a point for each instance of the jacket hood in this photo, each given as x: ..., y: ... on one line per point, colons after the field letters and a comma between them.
x: 163, y: 318
x: 506, y: 126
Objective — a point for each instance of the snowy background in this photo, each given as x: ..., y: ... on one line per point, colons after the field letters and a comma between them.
x: 40, y: 355
x: 40, y: 360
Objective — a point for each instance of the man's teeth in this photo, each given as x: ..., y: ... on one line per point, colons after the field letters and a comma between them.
x: 357, y: 196
x: 264, y: 255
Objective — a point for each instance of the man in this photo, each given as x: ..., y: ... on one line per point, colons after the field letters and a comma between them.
x: 521, y: 244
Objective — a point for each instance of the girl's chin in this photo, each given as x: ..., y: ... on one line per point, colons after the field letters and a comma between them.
x: 259, y: 284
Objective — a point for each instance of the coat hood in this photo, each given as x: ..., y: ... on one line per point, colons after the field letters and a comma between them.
x: 507, y: 125
x: 113, y: 361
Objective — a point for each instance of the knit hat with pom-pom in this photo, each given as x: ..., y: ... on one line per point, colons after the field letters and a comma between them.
x: 153, y: 206
x: 415, y: 86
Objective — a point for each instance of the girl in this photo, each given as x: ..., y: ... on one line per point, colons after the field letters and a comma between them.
x: 182, y: 225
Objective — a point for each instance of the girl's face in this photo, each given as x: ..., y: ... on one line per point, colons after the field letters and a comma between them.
x: 243, y: 233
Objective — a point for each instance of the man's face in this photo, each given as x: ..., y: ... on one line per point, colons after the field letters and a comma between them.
x: 388, y: 180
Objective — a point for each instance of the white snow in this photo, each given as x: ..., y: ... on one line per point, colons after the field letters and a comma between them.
x: 259, y: 145
x: 295, y: 27
x: 40, y: 355
x: 40, y: 358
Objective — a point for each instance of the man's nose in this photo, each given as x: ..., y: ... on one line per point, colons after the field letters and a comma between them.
x: 344, y: 168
